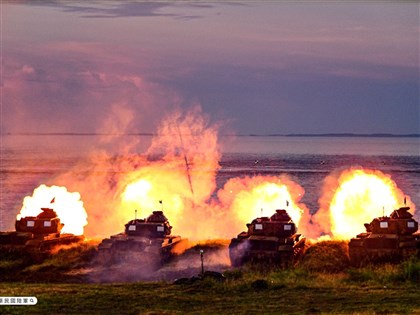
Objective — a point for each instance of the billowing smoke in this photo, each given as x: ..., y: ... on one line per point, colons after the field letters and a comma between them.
x: 177, y: 174
x: 178, y: 169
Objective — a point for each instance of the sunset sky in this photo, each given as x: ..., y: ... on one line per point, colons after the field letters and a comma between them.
x: 257, y: 68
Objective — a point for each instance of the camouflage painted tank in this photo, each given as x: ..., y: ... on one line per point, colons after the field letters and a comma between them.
x: 144, y: 241
x: 386, y: 239
x: 268, y: 240
x: 37, y: 235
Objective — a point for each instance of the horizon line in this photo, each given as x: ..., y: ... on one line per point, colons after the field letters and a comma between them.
x: 150, y: 134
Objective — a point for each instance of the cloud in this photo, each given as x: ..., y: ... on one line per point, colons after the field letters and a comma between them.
x: 113, y: 9
x: 71, y: 86
x: 279, y: 76
x: 27, y: 69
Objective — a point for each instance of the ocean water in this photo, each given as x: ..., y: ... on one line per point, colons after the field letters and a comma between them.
x: 28, y: 161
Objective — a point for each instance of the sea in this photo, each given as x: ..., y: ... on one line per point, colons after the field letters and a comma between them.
x: 27, y: 161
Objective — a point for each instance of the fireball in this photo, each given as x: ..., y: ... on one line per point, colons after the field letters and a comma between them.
x: 155, y: 189
x: 359, y: 196
x: 67, y: 205
x: 261, y: 196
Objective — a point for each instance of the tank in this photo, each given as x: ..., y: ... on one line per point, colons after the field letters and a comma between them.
x: 144, y: 241
x: 272, y: 241
x: 387, y: 239
x: 37, y: 235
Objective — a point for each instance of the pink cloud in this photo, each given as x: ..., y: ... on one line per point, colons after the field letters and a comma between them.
x: 72, y: 87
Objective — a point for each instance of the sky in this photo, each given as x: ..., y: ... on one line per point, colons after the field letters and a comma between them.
x: 279, y: 67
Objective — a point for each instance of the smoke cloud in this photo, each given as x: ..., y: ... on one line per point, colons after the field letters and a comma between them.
x: 177, y: 174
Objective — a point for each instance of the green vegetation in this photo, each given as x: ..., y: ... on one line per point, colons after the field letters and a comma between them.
x: 322, y: 283
x: 280, y: 291
x: 406, y: 272
x: 67, y: 258
x: 327, y: 256
x: 18, y: 266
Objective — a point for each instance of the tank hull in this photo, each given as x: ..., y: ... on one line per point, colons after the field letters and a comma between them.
x: 387, y: 239
x: 121, y: 248
x: 36, y: 246
x: 37, y: 236
x: 145, y: 242
x: 281, y: 252
x: 269, y: 240
x: 369, y: 248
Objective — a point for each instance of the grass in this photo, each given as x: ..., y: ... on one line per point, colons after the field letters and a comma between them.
x: 288, y: 292
x: 20, y: 267
x: 326, y: 256
x: 322, y: 283
x: 67, y: 258
x: 406, y: 272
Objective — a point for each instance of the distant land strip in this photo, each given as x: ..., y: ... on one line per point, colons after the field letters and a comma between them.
x: 149, y: 134
x: 360, y: 135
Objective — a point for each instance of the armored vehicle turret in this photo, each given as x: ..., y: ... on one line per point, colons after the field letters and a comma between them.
x: 144, y: 241
x: 271, y: 241
x: 386, y: 239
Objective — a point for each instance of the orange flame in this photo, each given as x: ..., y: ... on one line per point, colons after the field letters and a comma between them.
x: 151, y: 185
x: 180, y: 169
x: 356, y: 197
x: 252, y: 197
x: 67, y: 205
